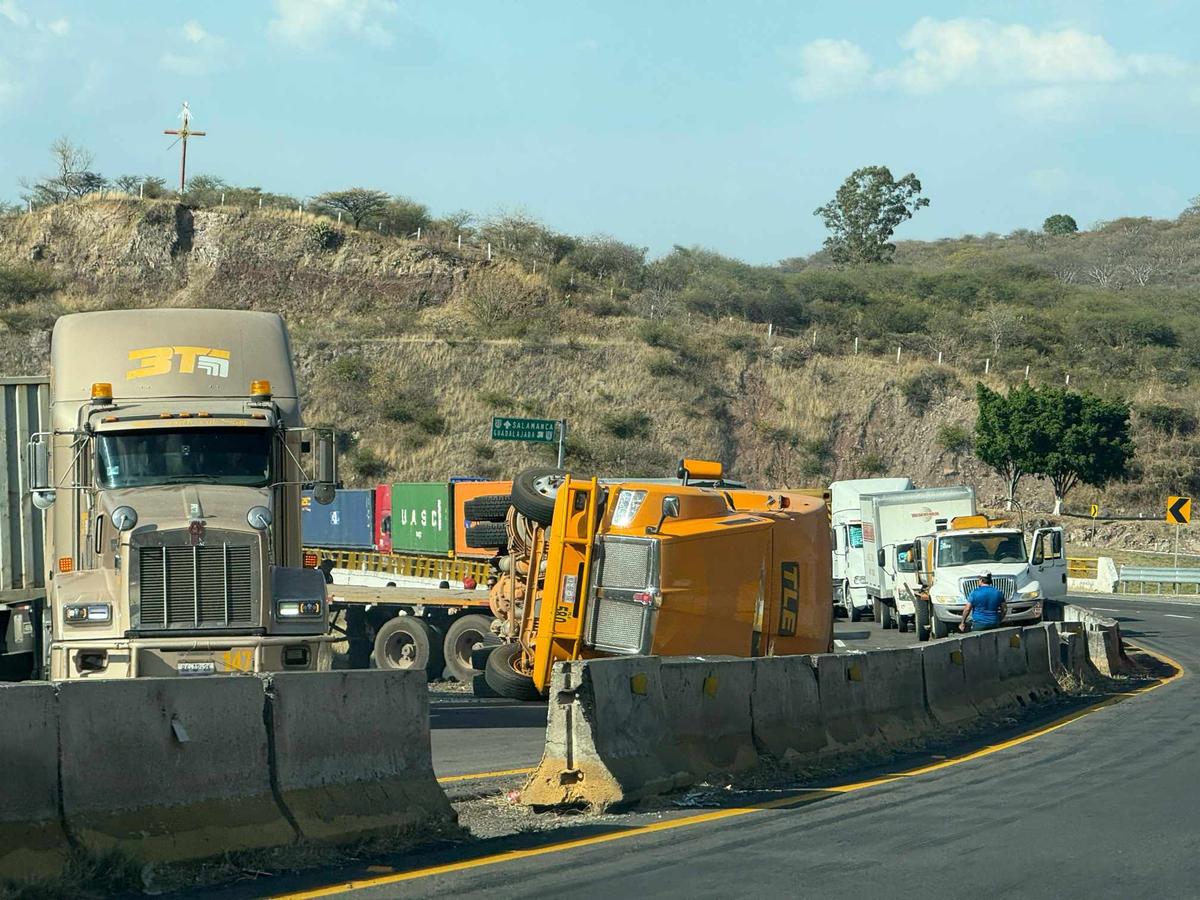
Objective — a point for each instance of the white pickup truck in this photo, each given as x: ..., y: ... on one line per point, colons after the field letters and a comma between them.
x: 950, y: 564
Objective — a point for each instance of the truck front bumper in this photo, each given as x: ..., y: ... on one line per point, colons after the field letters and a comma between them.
x: 169, y: 657
x: 1020, y: 612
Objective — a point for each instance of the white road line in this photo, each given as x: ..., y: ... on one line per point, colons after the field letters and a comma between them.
x: 1173, y: 616
x: 1105, y: 609
x: 838, y: 643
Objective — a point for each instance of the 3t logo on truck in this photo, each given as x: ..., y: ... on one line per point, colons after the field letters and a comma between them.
x: 789, y: 598
x: 161, y: 361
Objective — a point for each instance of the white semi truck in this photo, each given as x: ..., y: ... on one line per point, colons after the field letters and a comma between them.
x: 849, y: 576
x: 891, y: 524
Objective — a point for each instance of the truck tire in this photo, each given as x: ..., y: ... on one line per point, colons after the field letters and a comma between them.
x: 407, y: 642
x: 504, y: 679
x: 465, y: 635
x: 856, y: 614
x: 534, y: 492
x: 939, y: 628
x: 487, y: 535
x: 921, y: 621
x: 490, y: 508
x: 883, y: 615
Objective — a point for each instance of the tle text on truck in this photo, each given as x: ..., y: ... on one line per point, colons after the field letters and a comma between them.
x: 170, y: 475
x: 891, y: 523
x: 849, y: 568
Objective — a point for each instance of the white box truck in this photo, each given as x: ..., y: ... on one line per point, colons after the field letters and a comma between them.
x: 849, y: 579
x: 891, y: 522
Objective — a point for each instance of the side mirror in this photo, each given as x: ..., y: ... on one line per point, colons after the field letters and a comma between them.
x: 40, y: 484
x: 881, y: 558
x: 670, y: 510
x: 323, y: 488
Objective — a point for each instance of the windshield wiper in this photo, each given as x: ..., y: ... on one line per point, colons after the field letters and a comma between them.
x: 197, y: 476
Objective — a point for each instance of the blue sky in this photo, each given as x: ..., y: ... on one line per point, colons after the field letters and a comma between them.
x: 717, y: 124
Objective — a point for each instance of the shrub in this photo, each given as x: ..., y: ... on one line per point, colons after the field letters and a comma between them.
x: 663, y: 365
x: 406, y: 408
x: 495, y: 399
x: 366, y: 464
x: 953, y: 438
x: 1168, y: 419
x: 323, y: 237
x: 352, y: 371
x: 627, y: 425
x: 872, y: 463
x: 20, y: 284
x: 922, y: 389
x: 659, y: 334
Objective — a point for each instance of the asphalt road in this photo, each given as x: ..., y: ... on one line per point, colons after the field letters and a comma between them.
x: 1105, y: 806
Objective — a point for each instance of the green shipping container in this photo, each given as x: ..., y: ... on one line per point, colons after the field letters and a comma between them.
x: 421, y: 514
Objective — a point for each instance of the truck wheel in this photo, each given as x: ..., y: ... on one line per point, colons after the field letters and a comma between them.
x: 407, y: 642
x: 903, y: 624
x: 490, y: 508
x: 465, y: 635
x: 534, y: 492
x: 504, y: 679
x: 487, y: 535
x: 855, y: 613
x: 940, y: 628
x: 921, y: 621
x: 883, y: 615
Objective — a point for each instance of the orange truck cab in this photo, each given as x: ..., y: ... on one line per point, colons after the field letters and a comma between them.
x: 678, y: 570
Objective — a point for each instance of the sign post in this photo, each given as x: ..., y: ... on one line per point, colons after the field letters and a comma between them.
x: 1095, y: 512
x: 1179, y: 512
x: 538, y: 431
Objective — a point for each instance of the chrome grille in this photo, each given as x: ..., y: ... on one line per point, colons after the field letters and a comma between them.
x: 618, y: 626
x: 1006, y: 583
x: 195, y: 587
x: 625, y: 565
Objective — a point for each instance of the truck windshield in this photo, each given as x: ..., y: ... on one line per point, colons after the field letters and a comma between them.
x: 240, y: 456
x: 854, y: 536
x: 968, y: 549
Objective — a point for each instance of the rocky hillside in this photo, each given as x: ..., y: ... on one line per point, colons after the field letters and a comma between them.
x: 411, y: 347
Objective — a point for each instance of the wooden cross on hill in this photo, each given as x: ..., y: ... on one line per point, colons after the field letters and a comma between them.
x: 182, y: 134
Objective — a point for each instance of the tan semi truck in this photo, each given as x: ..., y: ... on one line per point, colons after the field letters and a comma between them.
x: 170, y: 476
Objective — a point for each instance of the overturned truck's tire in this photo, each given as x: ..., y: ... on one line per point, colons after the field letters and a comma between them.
x: 534, y: 492
x: 466, y: 635
x: 407, y: 642
x: 487, y: 535
x: 504, y: 679
x: 489, y: 508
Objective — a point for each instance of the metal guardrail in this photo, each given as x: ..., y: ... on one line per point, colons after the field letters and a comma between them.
x: 1082, y: 567
x: 440, y: 568
x: 1145, y: 575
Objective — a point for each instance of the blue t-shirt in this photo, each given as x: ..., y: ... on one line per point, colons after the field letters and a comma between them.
x: 985, y: 603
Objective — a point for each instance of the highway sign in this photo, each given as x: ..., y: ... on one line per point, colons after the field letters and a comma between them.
x: 1094, y: 511
x: 508, y: 428
x: 1179, y: 510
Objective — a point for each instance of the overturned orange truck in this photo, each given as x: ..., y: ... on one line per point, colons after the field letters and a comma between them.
x: 698, y: 567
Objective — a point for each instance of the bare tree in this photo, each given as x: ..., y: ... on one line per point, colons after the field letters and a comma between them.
x: 998, y: 320
x: 73, y: 175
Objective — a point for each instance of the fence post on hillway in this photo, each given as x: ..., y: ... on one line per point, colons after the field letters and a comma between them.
x: 939, y: 357
x: 856, y: 346
x: 489, y: 251
x: 260, y: 202
x: 339, y: 217
x: 222, y: 198
x: 897, y: 354
x: 1068, y: 379
x: 460, y: 240
x: 987, y: 365
x: 814, y: 339
x: 418, y: 232
x: 1027, y: 373
x: 142, y: 191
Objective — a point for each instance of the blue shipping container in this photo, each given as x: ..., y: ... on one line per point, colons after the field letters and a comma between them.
x: 348, y: 523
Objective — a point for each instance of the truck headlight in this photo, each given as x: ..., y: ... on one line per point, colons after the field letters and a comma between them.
x: 1030, y: 591
x: 87, y: 613
x: 292, y: 609
x: 945, y: 599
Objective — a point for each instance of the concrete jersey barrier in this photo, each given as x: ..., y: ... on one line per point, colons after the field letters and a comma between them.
x: 624, y: 728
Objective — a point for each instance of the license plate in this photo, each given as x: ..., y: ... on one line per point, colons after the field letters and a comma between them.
x: 197, y: 668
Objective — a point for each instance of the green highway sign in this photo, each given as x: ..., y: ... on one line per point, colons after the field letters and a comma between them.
x: 507, y: 428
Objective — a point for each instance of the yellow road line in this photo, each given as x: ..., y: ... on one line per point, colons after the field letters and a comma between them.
x: 474, y: 776
x: 717, y: 815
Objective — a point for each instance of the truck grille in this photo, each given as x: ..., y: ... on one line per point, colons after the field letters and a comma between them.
x: 1006, y: 583
x: 618, y: 626
x: 195, y: 587
x: 625, y: 565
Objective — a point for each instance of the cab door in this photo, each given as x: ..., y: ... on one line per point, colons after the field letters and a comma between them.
x: 1048, y: 561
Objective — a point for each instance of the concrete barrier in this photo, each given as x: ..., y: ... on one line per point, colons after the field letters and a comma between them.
x: 351, y: 754
x: 896, y: 694
x: 981, y: 661
x: 168, y: 769
x: 606, y: 736
x: 845, y: 708
x: 32, y: 841
x: 707, y: 705
x: 785, y: 707
x: 946, y: 683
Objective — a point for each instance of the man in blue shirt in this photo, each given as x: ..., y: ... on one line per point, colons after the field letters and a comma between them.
x: 985, y: 607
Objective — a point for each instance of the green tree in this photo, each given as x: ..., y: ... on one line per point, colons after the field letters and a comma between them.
x: 1060, y: 223
x: 1081, y: 438
x: 1004, y: 437
x: 864, y: 214
x: 357, y: 203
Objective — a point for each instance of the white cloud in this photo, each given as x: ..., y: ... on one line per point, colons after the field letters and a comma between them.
x: 830, y: 68
x: 305, y: 23
x: 204, y: 52
x: 9, y: 10
x: 943, y: 54
x: 59, y: 27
